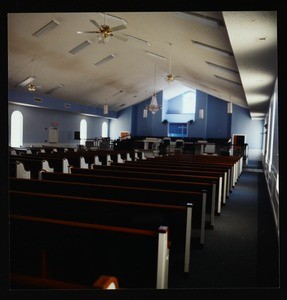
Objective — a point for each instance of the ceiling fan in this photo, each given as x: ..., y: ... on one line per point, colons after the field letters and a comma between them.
x: 105, y: 32
x: 30, y: 81
x: 170, y: 77
x: 33, y: 87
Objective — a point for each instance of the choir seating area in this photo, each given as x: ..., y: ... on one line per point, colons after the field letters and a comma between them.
x: 76, y: 216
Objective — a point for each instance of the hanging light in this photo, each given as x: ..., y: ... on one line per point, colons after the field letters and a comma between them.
x: 106, y: 108
x: 229, y: 106
x: 154, y: 106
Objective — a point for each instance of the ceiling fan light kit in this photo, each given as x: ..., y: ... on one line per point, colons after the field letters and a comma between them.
x: 32, y: 87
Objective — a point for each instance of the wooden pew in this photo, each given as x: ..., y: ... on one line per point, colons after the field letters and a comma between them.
x: 174, y: 171
x: 74, y: 158
x: 111, y: 212
x: 35, y: 166
x: 149, y: 198
x: 78, y: 252
x: 236, y: 162
x: 17, y: 170
x: 233, y: 162
x: 196, y: 166
x: 23, y: 281
x: 59, y: 164
x: 125, y: 172
x: 210, y: 188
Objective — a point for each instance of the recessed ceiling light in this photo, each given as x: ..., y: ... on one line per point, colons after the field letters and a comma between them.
x: 104, y: 60
x: 204, y: 19
x: 80, y: 47
x: 227, y: 80
x: 26, y: 81
x: 45, y: 29
x: 219, y: 67
x: 156, y: 55
x: 138, y: 39
x: 212, y: 48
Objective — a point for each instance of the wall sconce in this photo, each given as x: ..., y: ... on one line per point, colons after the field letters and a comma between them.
x: 201, y: 113
x: 145, y: 113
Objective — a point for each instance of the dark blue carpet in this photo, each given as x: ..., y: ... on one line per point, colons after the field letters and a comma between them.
x: 241, y: 251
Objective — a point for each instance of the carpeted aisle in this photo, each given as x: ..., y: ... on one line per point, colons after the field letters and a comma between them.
x: 233, y: 256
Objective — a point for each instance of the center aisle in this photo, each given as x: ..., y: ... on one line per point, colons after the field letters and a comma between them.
x: 229, y: 257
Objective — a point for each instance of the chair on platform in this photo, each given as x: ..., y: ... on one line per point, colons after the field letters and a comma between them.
x: 166, y: 144
x: 178, y: 146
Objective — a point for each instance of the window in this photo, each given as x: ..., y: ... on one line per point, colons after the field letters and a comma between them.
x: 188, y: 102
x: 83, y: 131
x: 177, y: 130
x: 105, y: 129
x: 16, y: 129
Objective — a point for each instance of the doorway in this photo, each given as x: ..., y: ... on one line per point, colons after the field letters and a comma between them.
x: 240, y: 147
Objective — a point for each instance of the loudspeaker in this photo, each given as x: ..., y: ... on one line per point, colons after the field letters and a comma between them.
x: 77, y: 135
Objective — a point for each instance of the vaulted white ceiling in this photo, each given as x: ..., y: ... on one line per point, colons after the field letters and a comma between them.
x: 243, y: 73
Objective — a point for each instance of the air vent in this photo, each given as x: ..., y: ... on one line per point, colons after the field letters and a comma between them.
x: 38, y: 100
x: 67, y: 105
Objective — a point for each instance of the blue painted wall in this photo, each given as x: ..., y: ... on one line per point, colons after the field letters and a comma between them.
x: 55, y: 103
x: 215, y: 124
x: 122, y: 123
x: 243, y: 124
x: 36, y: 122
x: 216, y: 118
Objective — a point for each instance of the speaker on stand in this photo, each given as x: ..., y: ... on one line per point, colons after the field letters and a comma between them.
x: 77, y: 137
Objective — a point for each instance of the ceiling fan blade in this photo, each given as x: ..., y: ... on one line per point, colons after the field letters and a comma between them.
x: 122, y: 38
x: 96, y: 24
x: 81, y: 32
x: 114, y: 17
x: 120, y: 27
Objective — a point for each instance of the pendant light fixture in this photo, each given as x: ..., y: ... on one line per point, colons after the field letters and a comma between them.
x: 154, y: 107
x: 106, y: 108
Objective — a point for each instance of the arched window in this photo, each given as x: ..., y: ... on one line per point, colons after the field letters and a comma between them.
x: 83, y: 131
x: 16, y: 129
x: 105, y: 129
x: 188, y: 102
